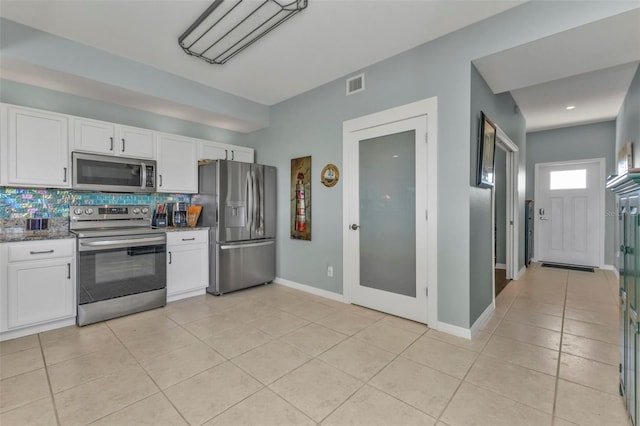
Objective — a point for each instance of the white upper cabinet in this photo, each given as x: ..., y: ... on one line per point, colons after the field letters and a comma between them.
x: 35, y: 148
x: 177, y: 164
x: 93, y: 136
x: 209, y: 150
x: 101, y: 137
x: 136, y: 142
x: 239, y: 153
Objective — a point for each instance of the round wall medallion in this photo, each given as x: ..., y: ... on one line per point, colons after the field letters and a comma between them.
x: 330, y: 175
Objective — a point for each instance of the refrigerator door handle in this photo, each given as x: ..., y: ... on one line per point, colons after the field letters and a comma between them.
x: 249, y: 201
x: 239, y: 246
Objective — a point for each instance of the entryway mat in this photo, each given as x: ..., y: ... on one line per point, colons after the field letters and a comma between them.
x: 570, y: 267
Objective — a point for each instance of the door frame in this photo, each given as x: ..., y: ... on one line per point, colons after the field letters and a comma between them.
x: 601, y: 193
x: 428, y: 109
x: 512, y: 214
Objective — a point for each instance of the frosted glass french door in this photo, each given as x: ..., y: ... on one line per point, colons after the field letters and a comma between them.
x: 388, y: 212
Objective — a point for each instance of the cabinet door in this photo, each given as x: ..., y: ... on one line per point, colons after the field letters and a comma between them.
x: 177, y: 164
x: 135, y: 142
x: 38, y: 149
x: 40, y: 291
x: 187, y: 268
x: 212, y: 151
x: 241, y: 154
x: 93, y: 136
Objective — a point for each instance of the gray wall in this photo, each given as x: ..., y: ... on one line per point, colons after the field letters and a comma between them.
x: 628, y: 120
x: 501, y: 109
x: 577, y: 143
x: 628, y: 130
x: 36, y: 97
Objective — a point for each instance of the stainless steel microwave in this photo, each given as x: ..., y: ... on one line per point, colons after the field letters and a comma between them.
x: 93, y: 172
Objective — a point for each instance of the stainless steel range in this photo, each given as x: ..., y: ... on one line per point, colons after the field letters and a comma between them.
x: 121, y: 261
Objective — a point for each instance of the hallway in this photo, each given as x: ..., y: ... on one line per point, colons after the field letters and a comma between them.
x: 271, y: 355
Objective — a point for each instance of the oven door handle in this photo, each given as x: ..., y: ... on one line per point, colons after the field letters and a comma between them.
x: 130, y: 242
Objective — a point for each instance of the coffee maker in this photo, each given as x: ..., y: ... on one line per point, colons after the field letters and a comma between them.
x: 179, y: 213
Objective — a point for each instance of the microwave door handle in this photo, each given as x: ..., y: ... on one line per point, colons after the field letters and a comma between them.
x: 143, y: 176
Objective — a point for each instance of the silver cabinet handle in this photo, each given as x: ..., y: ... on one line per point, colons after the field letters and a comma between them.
x: 122, y: 144
x: 354, y: 227
x: 233, y: 154
x: 41, y: 252
x: 68, y: 271
x: 189, y: 239
x: 64, y: 179
x: 226, y: 154
x: 160, y: 176
x: 111, y: 146
x: 170, y: 258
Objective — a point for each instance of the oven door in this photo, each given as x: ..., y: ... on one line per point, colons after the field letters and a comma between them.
x: 110, y: 267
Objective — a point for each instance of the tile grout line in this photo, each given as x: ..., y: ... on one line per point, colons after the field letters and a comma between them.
x: 46, y: 370
x: 555, y: 391
x: 160, y: 390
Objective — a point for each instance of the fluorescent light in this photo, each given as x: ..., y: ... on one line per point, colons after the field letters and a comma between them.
x: 570, y: 107
x: 228, y: 27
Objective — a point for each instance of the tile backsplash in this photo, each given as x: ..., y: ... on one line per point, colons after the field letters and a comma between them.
x: 26, y: 203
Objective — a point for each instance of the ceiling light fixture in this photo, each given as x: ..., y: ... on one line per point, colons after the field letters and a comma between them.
x: 570, y: 107
x: 226, y: 28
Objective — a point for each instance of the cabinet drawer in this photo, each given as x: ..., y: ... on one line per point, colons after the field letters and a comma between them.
x: 187, y: 237
x: 33, y: 250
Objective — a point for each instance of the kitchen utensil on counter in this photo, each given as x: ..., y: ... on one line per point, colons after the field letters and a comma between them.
x: 193, y: 213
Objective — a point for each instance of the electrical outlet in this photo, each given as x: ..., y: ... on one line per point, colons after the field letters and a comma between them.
x: 330, y: 271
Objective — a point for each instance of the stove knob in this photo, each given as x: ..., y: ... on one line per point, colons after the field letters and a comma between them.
x: 136, y: 210
x: 145, y: 210
x: 88, y: 211
x: 77, y: 211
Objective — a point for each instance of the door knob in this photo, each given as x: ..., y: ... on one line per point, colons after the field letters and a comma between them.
x: 354, y: 227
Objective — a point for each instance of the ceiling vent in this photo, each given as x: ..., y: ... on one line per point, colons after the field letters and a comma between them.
x: 355, y: 84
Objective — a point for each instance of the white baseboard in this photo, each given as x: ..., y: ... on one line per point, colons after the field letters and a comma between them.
x: 13, y: 334
x: 186, y: 294
x: 520, y: 272
x: 455, y: 330
x: 501, y: 266
x: 611, y: 268
x: 482, y: 318
x: 309, y: 289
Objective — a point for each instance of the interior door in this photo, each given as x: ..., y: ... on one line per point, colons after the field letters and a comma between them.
x: 569, y: 212
x: 387, y: 210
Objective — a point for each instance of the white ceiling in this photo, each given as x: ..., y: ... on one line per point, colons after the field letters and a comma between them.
x: 333, y: 38
x: 590, y: 67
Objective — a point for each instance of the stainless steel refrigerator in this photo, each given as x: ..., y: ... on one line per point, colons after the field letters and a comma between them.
x: 239, y: 205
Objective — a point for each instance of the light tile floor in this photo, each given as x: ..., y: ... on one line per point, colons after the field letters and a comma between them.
x: 275, y: 356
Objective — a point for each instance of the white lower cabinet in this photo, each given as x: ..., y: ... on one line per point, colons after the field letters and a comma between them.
x: 187, y: 263
x: 37, y: 286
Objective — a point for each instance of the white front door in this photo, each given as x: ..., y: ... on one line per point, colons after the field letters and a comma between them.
x: 387, y: 214
x: 569, y: 224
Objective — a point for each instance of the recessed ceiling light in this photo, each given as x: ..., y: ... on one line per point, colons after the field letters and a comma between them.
x: 395, y: 155
x: 570, y: 107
